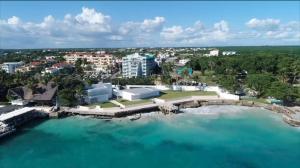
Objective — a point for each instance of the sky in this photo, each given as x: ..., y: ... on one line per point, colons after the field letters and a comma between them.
x: 78, y: 24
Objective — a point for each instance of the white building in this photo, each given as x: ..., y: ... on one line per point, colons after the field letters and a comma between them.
x: 183, y: 61
x: 10, y: 67
x: 138, y: 93
x: 100, y: 92
x: 135, y: 65
x: 214, y: 52
x: 228, y: 52
x: 50, y: 70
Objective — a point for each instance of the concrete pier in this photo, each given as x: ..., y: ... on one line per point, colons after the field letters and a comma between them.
x: 11, y: 120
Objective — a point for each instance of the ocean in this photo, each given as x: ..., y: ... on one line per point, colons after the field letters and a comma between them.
x: 212, y: 137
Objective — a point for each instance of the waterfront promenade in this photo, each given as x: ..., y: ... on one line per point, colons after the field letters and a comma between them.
x: 113, y: 111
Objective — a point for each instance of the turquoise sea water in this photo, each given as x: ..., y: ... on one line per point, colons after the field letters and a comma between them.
x: 216, y: 136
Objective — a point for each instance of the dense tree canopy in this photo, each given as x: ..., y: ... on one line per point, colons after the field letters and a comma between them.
x: 269, y: 71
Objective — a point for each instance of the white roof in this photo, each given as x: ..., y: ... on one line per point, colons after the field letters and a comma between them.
x: 15, y: 113
x: 139, y: 91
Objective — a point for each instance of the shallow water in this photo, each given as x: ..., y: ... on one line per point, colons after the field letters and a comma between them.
x: 215, y: 136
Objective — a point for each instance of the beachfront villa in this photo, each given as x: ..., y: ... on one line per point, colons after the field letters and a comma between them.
x: 40, y: 94
x: 100, y: 92
x: 138, y: 93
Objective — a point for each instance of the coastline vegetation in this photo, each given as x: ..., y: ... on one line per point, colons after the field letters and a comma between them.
x: 260, y: 71
x: 256, y: 71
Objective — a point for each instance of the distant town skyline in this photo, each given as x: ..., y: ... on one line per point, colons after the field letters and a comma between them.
x: 147, y: 24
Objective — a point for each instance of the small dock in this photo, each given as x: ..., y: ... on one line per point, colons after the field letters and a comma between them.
x: 10, y: 120
x: 17, y: 117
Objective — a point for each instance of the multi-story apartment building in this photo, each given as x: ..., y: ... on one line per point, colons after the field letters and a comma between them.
x: 135, y: 65
x: 10, y: 67
x: 100, y: 60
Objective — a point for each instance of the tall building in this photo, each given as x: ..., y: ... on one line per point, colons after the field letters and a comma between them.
x: 135, y: 65
x: 10, y: 67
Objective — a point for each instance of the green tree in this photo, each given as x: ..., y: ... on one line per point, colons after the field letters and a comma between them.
x: 229, y: 82
x: 67, y: 97
x: 283, y: 91
x: 260, y: 83
x: 78, y: 66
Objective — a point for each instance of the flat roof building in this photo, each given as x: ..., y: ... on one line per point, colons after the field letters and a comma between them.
x: 100, y: 92
x: 138, y: 93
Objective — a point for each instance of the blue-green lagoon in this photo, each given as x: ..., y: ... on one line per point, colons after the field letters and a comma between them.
x: 213, y: 137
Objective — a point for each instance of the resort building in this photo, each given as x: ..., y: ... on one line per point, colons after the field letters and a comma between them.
x: 100, y: 60
x: 100, y: 92
x: 138, y: 93
x: 10, y: 67
x: 135, y: 65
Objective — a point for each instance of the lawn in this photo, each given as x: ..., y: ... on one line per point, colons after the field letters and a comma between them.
x: 177, y: 94
x: 103, y: 105
x: 128, y: 103
x: 260, y: 100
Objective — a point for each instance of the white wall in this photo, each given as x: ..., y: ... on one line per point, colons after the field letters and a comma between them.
x: 131, y: 96
x: 186, y: 88
x: 166, y: 87
x: 222, y: 93
x: 159, y: 87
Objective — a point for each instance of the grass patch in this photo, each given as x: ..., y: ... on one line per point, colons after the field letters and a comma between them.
x: 260, y: 100
x: 178, y: 94
x: 103, y: 105
x: 134, y: 102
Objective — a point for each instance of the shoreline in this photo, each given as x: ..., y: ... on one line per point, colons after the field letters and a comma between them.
x: 135, y: 112
x: 287, y: 112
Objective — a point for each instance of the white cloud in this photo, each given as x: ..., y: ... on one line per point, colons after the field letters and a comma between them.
x: 275, y: 30
x: 14, y: 20
x: 196, y: 34
x: 221, y: 26
x: 92, y: 20
x: 91, y: 28
x: 173, y: 33
x: 263, y: 24
x: 147, y: 26
x: 143, y: 33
